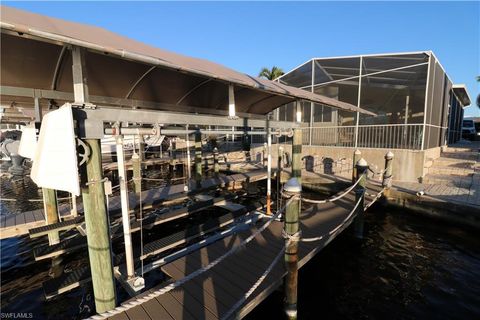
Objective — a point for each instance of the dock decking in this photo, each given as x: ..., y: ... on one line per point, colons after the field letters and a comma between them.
x: 213, y: 293
x: 19, y: 224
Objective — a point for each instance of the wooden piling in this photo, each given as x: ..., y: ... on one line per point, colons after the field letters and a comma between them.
x: 387, y: 175
x: 247, y: 144
x: 297, y: 155
x: 172, y: 162
x: 137, y: 172
x: 51, y: 213
x: 94, y: 208
x: 98, y: 231
x: 356, y: 156
x: 292, y: 228
x: 269, y: 170
x: 141, y: 148
x: 73, y: 210
x: 362, y: 167
x: 279, y: 174
x: 216, y: 166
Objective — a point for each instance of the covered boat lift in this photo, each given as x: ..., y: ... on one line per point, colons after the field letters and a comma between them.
x: 112, y: 84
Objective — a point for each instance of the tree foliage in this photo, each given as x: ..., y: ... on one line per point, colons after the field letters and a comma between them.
x: 271, y: 74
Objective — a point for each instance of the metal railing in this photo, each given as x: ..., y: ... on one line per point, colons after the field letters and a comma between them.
x: 387, y: 136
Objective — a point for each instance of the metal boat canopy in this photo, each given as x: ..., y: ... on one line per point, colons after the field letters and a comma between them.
x: 122, y: 72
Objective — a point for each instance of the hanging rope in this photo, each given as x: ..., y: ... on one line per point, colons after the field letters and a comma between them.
x: 376, y: 173
x: 332, y: 231
x: 332, y: 199
x: 377, y: 196
x: 245, y: 297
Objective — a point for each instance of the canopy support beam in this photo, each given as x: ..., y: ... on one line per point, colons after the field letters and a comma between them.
x: 103, y: 101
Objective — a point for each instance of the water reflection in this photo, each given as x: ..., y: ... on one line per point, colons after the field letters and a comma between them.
x: 406, y: 268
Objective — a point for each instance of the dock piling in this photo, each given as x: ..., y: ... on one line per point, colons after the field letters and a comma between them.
x: 279, y: 174
x: 297, y: 155
x: 94, y: 206
x: 387, y: 175
x: 292, y: 230
x: 356, y: 156
x: 269, y: 170
x: 361, y: 167
x: 74, y: 211
x: 141, y: 148
x: 51, y: 213
x: 216, y: 166
x: 98, y: 232
x: 137, y: 172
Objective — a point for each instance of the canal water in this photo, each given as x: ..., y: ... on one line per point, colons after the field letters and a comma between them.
x: 407, y: 267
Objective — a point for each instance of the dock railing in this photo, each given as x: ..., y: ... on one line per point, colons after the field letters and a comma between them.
x: 409, y: 136
x: 385, y: 136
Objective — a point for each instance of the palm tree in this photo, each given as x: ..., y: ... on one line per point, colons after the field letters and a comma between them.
x: 272, y: 74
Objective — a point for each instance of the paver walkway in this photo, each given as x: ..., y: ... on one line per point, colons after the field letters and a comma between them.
x: 454, y: 177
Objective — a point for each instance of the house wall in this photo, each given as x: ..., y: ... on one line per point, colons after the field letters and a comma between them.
x: 408, y: 165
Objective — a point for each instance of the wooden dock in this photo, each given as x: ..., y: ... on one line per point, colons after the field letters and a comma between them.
x: 113, y: 166
x: 213, y: 293
x: 19, y: 224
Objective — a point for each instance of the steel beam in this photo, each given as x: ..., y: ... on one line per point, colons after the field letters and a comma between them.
x: 182, y: 114
x: 100, y: 115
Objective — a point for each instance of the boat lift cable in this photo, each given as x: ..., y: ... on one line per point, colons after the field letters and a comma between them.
x: 131, y: 304
x: 140, y: 208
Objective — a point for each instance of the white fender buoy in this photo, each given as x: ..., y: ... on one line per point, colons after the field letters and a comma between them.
x: 55, y: 161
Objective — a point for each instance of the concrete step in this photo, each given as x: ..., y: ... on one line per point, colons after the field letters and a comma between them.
x: 449, y: 179
x: 454, y: 163
x: 452, y: 159
x: 469, y: 156
x: 461, y: 149
x: 439, y: 170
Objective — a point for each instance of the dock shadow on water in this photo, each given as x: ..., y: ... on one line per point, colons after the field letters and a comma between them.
x: 407, y: 267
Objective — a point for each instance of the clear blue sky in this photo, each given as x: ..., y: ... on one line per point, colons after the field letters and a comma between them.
x: 249, y: 35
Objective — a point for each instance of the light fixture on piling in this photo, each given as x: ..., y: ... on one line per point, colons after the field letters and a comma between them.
x: 231, y: 103
x: 298, y: 111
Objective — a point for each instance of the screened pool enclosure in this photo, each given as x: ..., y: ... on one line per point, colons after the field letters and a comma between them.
x: 417, y: 105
